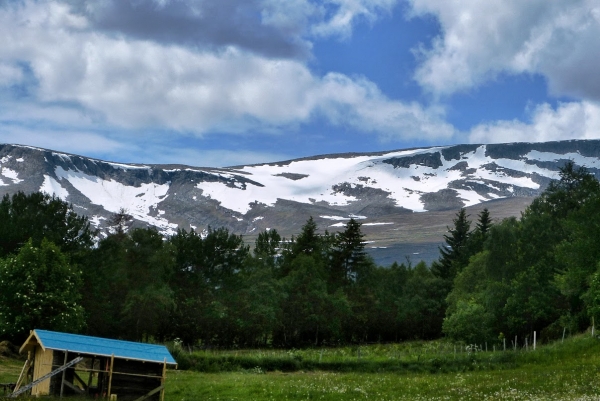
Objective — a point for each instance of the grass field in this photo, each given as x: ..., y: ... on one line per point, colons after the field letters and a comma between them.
x: 569, y: 371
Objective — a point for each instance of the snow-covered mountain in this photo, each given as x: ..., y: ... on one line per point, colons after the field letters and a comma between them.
x: 381, y: 189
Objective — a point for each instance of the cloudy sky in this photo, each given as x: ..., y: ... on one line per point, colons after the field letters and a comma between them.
x: 227, y: 82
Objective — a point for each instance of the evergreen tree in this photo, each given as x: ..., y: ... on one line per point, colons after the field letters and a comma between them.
x: 484, y: 222
x: 454, y: 255
x: 120, y: 222
x: 267, y: 248
x: 209, y: 278
x: 479, y: 235
x: 349, y: 256
x: 308, y: 241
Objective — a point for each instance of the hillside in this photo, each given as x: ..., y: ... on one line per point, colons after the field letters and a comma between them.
x: 404, y: 198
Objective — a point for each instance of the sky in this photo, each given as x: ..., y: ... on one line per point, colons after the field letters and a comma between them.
x: 218, y: 83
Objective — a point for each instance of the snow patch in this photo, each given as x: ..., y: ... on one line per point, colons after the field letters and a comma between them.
x: 52, y: 187
x: 114, y: 196
x: 377, y: 224
x: 96, y: 220
x: 127, y: 166
x: 356, y: 217
x: 12, y: 174
x: 334, y: 218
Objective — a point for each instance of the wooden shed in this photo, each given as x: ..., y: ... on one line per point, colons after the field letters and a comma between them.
x: 63, y: 364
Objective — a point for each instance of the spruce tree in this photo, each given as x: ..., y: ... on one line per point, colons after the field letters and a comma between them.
x: 454, y: 254
x: 348, y: 255
x: 480, y: 233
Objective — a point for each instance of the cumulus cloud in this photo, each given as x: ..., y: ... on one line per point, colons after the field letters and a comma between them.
x: 195, y: 23
x: 573, y: 120
x: 274, y: 28
x: 135, y: 83
x: 480, y: 39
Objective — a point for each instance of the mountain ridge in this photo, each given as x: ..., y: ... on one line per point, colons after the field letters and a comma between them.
x: 382, y: 189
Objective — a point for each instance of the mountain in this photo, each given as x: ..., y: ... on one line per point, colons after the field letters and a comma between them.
x: 404, y: 198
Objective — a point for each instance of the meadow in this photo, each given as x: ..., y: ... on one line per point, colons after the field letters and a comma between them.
x: 430, y: 371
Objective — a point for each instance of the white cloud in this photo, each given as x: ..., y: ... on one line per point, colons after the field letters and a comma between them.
x: 574, y: 120
x: 134, y: 83
x: 70, y: 141
x: 481, y: 39
x: 210, y: 158
x: 347, y: 13
x: 326, y: 18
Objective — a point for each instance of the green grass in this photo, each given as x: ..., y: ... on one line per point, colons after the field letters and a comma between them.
x: 569, y: 371
x: 431, y: 357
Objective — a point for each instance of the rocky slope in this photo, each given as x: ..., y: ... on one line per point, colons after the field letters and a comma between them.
x: 404, y: 198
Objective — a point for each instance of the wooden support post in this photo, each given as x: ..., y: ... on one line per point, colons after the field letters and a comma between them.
x: 151, y: 393
x: 15, y: 394
x: 23, y: 371
x: 80, y: 380
x: 162, y: 380
x: 73, y: 387
x: 110, y: 373
x: 64, y: 372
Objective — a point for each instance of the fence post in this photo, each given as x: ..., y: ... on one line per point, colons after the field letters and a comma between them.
x: 534, y: 339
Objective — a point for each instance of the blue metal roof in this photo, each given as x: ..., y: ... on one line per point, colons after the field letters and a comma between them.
x: 102, y: 346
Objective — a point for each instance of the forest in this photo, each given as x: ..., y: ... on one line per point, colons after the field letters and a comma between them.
x: 493, y: 280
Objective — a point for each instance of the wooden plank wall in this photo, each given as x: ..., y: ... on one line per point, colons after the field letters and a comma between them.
x: 42, y: 366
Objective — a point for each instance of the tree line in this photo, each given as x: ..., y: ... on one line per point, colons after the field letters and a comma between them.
x: 539, y: 272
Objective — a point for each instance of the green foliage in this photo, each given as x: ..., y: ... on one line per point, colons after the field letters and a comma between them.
x: 127, y: 283
x: 469, y: 323
x: 38, y: 216
x: 309, y: 312
x: 422, y: 305
x: 535, y: 273
x: 39, y: 289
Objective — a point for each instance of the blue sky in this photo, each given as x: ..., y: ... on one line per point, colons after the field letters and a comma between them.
x: 229, y: 82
